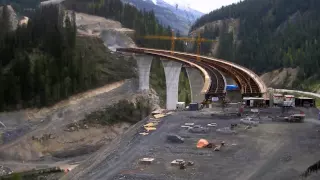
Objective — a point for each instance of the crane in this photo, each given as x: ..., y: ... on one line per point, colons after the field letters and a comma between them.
x: 173, y: 38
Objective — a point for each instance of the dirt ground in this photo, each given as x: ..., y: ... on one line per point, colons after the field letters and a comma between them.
x: 37, y: 138
x: 280, y: 78
x: 272, y: 150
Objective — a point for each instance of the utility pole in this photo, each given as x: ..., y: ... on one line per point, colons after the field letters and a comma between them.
x: 172, y: 41
x: 271, y: 97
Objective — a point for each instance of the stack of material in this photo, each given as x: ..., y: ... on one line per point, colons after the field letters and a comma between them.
x: 150, y: 126
x: 158, y: 116
x: 203, y: 143
x: 181, y: 105
x: 212, y: 124
x: 198, y: 129
x: 146, y: 160
x: 177, y: 162
x: 181, y: 163
x: 226, y: 130
x: 4, y: 171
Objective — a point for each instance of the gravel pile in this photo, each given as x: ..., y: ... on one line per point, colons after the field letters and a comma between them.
x: 4, y: 171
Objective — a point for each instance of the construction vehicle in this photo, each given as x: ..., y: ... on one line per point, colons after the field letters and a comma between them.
x: 290, y: 117
x: 295, y: 118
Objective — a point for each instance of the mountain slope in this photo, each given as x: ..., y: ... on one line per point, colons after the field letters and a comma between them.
x: 271, y: 34
x: 45, y: 61
x: 179, y: 18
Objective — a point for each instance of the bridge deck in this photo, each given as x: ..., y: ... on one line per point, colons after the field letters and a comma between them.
x: 248, y: 81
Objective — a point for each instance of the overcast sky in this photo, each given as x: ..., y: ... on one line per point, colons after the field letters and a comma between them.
x: 204, y: 6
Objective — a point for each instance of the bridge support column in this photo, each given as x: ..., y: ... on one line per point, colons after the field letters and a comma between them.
x: 172, y: 71
x: 144, y: 65
x: 196, y: 82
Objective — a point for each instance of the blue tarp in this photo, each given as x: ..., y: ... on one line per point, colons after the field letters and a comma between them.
x: 232, y: 87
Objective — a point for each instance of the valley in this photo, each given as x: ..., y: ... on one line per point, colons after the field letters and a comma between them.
x: 80, y: 99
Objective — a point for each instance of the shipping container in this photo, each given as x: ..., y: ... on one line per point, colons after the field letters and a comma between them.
x: 305, y: 102
x: 193, y: 106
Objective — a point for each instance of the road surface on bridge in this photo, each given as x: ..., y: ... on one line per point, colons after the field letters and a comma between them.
x: 249, y: 83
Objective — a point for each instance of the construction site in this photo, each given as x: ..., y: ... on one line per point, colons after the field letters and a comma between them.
x: 229, y: 139
x: 212, y: 143
x: 237, y: 130
x: 241, y: 130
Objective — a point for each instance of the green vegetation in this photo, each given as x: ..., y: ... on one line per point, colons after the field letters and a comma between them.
x: 16, y: 176
x: 45, y: 61
x: 35, y: 174
x: 312, y: 84
x: 272, y: 34
x: 158, y: 80
x: 123, y: 111
x: 144, y: 23
x: 184, y: 88
x: 158, y: 83
x: 22, y: 7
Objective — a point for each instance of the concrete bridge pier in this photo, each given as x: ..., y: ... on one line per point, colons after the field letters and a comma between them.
x: 172, y: 71
x: 144, y: 64
x: 196, y: 82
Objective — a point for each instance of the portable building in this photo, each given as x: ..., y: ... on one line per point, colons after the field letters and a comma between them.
x: 305, y: 102
x: 277, y: 99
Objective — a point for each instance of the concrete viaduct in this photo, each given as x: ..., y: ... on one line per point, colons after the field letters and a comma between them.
x: 205, y: 76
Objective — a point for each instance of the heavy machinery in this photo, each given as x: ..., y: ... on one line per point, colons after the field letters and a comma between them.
x: 295, y: 118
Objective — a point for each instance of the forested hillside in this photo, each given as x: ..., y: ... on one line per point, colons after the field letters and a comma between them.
x: 45, y: 61
x: 22, y: 7
x: 272, y: 34
x: 144, y: 23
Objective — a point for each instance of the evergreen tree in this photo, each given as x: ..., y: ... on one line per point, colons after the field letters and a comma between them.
x: 272, y: 34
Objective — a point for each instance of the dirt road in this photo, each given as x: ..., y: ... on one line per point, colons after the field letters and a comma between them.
x: 53, y: 120
x: 299, y: 92
x: 273, y: 150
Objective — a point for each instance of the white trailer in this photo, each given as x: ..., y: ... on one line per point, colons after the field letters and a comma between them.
x: 289, y: 101
x: 181, y: 105
x: 277, y: 99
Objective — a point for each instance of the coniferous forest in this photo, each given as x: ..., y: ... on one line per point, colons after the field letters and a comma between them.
x: 44, y: 62
x: 272, y: 34
x: 143, y: 22
x: 41, y: 63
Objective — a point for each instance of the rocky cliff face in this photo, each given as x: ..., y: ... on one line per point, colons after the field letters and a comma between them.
x: 280, y: 78
x: 13, y: 18
x: 111, y: 32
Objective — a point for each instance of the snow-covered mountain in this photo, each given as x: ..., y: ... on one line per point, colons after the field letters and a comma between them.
x: 169, y: 12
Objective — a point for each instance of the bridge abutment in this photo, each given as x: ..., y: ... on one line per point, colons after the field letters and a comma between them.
x: 172, y: 71
x: 144, y: 65
x: 196, y: 82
